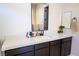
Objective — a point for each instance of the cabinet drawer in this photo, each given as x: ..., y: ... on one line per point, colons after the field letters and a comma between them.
x: 42, y: 45
x: 31, y: 53
x: 55, y: 42
x: 42, y: 52
x: 66, y: 39
x: 19, y: 50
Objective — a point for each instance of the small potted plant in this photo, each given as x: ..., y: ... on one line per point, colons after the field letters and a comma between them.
x: 61, y: 29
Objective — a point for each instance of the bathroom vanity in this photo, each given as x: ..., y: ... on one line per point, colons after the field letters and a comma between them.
x: 60, y: 47
x: 38, y: 46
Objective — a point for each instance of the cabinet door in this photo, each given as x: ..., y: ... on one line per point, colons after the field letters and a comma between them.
x: 55, y: 50
x: 41, y: 45
x: 42, y: 52
x: 66, y: 48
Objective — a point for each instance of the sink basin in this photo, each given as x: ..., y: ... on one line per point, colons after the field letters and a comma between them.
x: 42, y: 38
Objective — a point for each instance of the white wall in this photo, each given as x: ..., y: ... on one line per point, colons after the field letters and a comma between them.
x: 15, y: 19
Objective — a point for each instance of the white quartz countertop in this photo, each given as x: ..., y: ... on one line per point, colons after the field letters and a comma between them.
x: 13, y: 42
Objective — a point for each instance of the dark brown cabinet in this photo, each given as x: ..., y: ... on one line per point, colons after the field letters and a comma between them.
x: 55, y: 48
x: 61, y: 47
x: 42, y: 49
x: 66, y: 46
x: 27, y: 50
x: 31, y: 53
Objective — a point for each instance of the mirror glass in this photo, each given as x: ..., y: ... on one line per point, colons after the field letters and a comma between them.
x: 39, y: 16
x: 66, y: 19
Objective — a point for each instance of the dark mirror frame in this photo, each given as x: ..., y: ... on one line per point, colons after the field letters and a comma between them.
x: 46, y: 14
x: 46, y: 17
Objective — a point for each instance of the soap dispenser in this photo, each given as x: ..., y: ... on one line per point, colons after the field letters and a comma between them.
x: 30, y: 33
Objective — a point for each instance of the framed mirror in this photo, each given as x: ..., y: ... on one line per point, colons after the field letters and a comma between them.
x: 39, y: 16
x: 66, y: 19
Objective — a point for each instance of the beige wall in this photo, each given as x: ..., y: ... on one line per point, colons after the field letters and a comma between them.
x: 55, y: 12
x: 40, y: 14
x: 33, y: 14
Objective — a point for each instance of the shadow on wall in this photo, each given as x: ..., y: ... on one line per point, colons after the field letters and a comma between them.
x: 1, y: 43
x: 0, y: 48
x: 75, y: 45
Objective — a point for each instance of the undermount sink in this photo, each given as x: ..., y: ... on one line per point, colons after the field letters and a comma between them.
x: 39, y: 39
x: 42, y: 38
